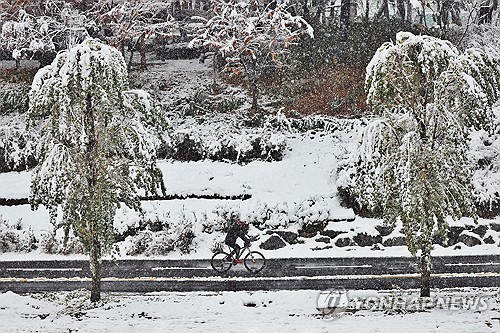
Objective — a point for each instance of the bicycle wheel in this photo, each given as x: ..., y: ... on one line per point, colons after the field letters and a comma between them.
x: 254, y: 261
x: 220, y: 262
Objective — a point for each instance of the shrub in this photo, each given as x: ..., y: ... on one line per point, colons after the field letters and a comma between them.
x: 156, y: 236
x: 14, y: 99
x: 15, y: 238
x: 50, y: 244
x: 17, y: 146
x: 225, y: 216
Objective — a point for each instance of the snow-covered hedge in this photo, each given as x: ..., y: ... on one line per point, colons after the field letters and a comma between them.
x: 14, y: 238
x: 280, y: 215
x: 243, y: 147
x: 152, y: 236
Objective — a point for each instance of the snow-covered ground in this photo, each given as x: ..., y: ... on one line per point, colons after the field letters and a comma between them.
x: 307, y: 172
x: 283, y: 193
x: 280, y: 311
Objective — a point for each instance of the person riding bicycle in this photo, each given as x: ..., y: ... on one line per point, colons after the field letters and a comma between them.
x: 235, y: 231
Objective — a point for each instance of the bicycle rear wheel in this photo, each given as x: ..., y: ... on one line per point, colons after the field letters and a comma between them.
x: 254, y: 261
x: 221, y: 262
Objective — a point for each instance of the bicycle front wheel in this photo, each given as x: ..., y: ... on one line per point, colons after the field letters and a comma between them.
x: 254, y: 261
x: 221, y: 262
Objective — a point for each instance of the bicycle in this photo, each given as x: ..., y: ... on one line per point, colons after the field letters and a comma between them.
x: 254, y: 261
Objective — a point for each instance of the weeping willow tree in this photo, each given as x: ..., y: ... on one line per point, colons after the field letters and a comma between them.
x: 413, y: 157
x: 98, y: 147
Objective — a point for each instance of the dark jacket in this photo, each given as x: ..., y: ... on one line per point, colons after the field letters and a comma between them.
x: 234, y: 232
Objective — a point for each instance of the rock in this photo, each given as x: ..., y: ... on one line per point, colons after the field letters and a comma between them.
x: 289, y: 236
x: 395, y: 241
x: 489, y: 240
x: 384, y: 230
x: 377, y: 247
x: 344, y: 241
x: 311, y: 229
x: 331, y: 233
x: 363, y: 239
x: 469, y: 239
x: 439, y: 240
x: 273, y: 243
x: 495, y: 226
x: 480, y: 230
x: 323, y: 239
x: 453, y: 234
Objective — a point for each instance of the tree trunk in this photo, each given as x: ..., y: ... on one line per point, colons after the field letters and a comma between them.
x: 383, y: 10
x: 409, y: 12
x: 345, y: 18
x: 401, y: 9
x: 425, y: 271
x: 215, y: 68
x: 142, y: 51
x: 255, y: 94
x: 253, y: 74
x: 93, y: 232
x: 95, y: 268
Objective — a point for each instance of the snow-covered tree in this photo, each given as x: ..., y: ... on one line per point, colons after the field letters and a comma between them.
x: 413, y: 157
x: 470, y: 86
x: 30, y: 27
x: 251, y: 35
x: 98, y: 148
x: 135, y: 23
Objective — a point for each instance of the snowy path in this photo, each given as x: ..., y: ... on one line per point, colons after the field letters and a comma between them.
x: 287, y: 274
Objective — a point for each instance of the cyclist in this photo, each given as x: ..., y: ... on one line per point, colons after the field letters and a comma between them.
x: 235, y: 231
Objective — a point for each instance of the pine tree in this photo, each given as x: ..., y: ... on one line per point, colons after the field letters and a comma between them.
x: 98, y: 147
x: 413, y: 157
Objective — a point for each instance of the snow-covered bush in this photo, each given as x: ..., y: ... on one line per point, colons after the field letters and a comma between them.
x: 14, y: 238
x: 205, y: 102
x: 264, y: 215
x: 17, y: 146
x: 311, y: 211
x: 242, y: 147
x: 183, y: 233
x: 14, y: 99
x: 151, y: 243
x: 225, y: 216
x: 51, y: 244
x: 485, y: 155
x: 280, y: 122
x: 187, y: 146
x: 9, y: 238
x: 159, y: 236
